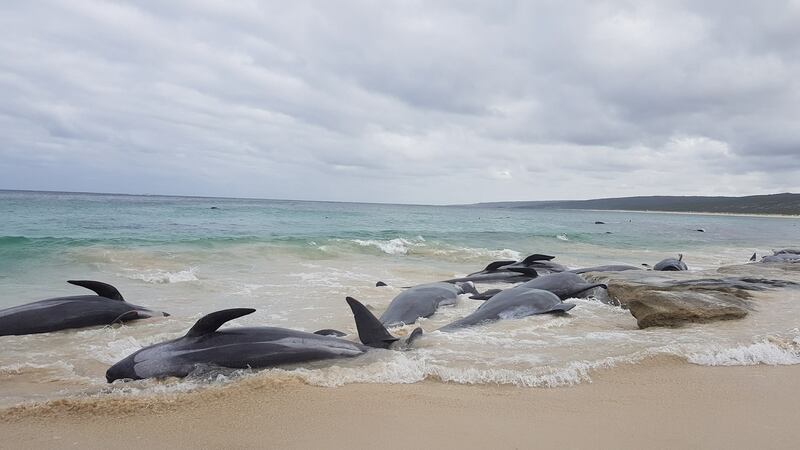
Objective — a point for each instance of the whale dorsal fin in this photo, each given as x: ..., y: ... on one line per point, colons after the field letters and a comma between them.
x: 536, y: 257
x: 211, y: 322
x: 496, y: 265
x: 99, y: 288
x: 371, y: 331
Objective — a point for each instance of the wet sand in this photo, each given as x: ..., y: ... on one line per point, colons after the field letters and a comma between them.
x: 662, y: 403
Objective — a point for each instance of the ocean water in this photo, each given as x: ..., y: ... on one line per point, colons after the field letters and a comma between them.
x: 296, y: 261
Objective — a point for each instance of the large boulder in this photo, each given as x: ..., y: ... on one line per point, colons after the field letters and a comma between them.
x: 676, y: 298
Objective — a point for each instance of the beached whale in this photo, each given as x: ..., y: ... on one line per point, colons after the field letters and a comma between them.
x: 543, y: 264
x: 511, y: 304
x: 205, y: 346
x: 565, y: 284
x: 507, y: 271
x: 607, y: 268
x: 671, y: 264
x: 423, y: 301
x: 77, y: 311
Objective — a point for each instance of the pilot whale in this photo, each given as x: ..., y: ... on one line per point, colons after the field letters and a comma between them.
x: 671, y: 264
x: 77, y: 311
x: 510, y: 271
x: 205, y: 345
x: 512, y: 303
x: 423, y: 301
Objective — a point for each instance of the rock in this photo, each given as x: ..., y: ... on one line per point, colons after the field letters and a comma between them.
x: 671, y: 307
x: 675, y: 298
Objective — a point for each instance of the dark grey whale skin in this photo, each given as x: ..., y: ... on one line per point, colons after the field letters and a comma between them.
x: 422, y: 301
x: 79, y: 311
x: 517, y: 302
x: 606, y: 268
x: 204, y: 345
x: 565, y: 284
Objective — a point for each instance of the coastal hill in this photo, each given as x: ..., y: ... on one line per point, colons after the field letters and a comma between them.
x: 786, y: 203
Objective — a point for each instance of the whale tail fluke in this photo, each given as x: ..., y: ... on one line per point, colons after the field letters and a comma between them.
x: 753, y: 258
x: 371, y: 331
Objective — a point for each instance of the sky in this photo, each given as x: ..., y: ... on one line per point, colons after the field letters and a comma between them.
x: 430, y: 102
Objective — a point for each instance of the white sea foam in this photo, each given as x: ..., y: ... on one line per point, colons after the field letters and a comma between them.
x: 562, y: 237
x: 158, y: 276
x: 769, y: 351
x: 396, y: 246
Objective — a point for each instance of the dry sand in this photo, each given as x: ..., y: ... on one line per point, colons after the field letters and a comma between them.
x: 662, y: 403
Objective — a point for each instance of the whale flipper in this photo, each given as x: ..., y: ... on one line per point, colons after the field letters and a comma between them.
x: 330, y: 332
x: 371, y: 331
x: 211, y: 322
x: 586, y: 288
x: 99, y: 288
x: 128, y: 315
x: 413, y: 336
x: 486, y: 295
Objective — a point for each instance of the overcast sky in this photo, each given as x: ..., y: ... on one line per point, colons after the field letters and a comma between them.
x: 409, y: 102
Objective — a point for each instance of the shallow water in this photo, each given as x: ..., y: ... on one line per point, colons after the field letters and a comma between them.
x: 296, y: 261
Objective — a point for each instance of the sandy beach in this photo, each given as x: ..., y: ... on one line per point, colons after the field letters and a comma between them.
x: 662, y: 403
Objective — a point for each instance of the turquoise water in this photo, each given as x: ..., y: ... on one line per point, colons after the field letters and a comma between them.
x: 296, y: 261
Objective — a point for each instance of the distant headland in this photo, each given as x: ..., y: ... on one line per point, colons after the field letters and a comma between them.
x: 783, y: 204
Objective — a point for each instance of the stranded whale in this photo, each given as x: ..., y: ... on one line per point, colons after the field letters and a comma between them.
x: 512, y: 303
x: 77, y: 311
x: 423, y: 301
x: 671, y: 264
x: 204, y: 345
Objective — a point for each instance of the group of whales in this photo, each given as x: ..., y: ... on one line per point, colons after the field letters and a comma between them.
x: 543, y: 287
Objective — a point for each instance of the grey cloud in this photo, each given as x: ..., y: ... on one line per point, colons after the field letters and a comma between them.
x: 401, y: 101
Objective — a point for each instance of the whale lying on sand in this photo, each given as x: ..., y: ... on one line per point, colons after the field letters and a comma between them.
x: 423, y: 301
x: 77, y: 311
x: 204, y: 345
x: 671, y: 264
x: 512, y: 303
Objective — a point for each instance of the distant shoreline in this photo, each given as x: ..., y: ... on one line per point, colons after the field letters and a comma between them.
x: 693, y: 213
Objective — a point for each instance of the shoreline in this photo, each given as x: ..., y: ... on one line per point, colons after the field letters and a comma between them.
x: 691, y: 213
x: 663, y: 402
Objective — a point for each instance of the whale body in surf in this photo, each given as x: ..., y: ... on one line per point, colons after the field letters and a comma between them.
x: 512, y: 303
x: 205, y: 346
x: 79, y: 311
x: 606, y: 268
x: 565, y: 284
x: 423, y: 301
x: 509, y: 271
x: 671, y: 264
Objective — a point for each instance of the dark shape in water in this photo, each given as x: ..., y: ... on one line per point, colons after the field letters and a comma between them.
x: 61, y: 313
x: 205, y: 346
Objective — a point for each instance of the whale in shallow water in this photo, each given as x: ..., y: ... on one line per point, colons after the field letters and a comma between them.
x: 509, y: 271
x: 511, y: 304
x: 205, y: 346
x: 607, y: 268
x: 565, y: 284
x: 77, y: 311
x: 671, y: 264
x: 423, y: 301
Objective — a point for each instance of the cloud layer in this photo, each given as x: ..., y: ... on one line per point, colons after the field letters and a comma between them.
x: 412, y: 102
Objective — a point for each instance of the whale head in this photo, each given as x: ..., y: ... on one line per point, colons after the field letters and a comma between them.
x: 123, y: 370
